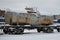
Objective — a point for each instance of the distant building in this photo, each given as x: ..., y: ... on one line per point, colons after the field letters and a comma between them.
x: 2, y: 13
x: 56, y: 16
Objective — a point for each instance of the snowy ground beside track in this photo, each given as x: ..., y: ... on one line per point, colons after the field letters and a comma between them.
x: 31, y: 35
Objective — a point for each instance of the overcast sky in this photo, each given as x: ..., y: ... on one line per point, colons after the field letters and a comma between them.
x: 47, y: 7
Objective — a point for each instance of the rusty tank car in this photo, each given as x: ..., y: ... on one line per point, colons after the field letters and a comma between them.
x: 29, y: 20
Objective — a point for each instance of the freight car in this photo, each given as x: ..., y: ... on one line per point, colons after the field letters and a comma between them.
x: 1, y: 22
x: 21, y: 21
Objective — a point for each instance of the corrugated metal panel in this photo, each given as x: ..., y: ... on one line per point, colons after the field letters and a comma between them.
x: 8, y: 15
x: 40, y: 19
x: 33, y: 18
x: 27, y: 18
x: 14, y: 17
x: 24, y: 18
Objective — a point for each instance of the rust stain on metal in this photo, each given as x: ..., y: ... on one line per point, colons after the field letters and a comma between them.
x: 46, y: 21
x: 10, y: 20
x: 27, y: 20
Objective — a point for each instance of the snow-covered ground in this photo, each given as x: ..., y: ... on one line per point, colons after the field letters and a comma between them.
x: 31, y: 35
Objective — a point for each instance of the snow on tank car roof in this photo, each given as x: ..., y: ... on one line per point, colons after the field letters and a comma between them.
x: 28, y: 14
